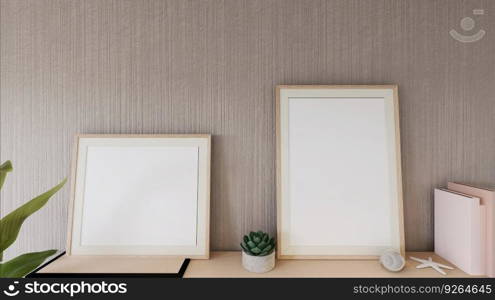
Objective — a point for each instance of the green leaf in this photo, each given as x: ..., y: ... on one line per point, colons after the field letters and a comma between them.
x: 5, y: 168
x: 244, y: 247
x: 262, y: 245
x: 251, y: 244
x: 24, y: 264
x: 268, y: 248
x: 265, y: 238
x: 256, y: 250
x: 266, y: 252
x: 11, y: 224
x: 246, y: 239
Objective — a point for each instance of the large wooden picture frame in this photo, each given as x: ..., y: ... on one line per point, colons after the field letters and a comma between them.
x: 339, y: 186
x: 146, y: 195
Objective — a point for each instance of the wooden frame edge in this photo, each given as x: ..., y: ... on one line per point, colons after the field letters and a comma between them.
x: 147, y: 135
x: 338, y: 86
x: 73, y: 180
x: 278, y: 165
x: 208, y: 199
x: 330, y: 257
x: 400, y: 204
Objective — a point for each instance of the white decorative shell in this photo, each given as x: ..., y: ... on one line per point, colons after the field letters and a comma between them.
x: 392, y: 261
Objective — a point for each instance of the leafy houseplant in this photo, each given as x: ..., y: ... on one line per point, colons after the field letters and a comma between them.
x: 258, y: 253
x: 10, y: 226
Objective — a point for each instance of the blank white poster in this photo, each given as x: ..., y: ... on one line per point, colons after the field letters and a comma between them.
x: 140, y: 196
x: 339, y: 168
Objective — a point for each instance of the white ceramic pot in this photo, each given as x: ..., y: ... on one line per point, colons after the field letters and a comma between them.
x: 258, y: 264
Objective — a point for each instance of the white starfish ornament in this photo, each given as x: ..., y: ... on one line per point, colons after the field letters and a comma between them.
x: 431, y: 264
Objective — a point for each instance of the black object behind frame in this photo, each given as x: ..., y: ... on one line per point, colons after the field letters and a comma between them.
x: 35, y: 274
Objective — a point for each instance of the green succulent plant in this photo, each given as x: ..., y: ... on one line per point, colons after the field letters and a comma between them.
x: 10, y: 225
x: 258, y: 244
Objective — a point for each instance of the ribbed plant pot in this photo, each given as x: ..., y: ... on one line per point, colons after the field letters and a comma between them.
x: 258, y: 264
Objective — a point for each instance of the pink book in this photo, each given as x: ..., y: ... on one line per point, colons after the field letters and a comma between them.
x: 487, y: 198
x: 459, y: 230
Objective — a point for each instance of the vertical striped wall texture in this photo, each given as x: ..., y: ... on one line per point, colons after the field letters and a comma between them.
x: 210, y: 66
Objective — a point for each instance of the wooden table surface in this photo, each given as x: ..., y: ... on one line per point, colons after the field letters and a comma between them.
x: 228, y: 264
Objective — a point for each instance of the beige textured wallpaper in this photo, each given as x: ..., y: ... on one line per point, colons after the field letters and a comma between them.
x: 204, y: 66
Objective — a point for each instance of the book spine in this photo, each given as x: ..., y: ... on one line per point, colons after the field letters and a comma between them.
x: 476, y: 261
x: 490, y: 236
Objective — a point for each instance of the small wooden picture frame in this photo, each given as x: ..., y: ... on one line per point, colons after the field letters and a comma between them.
x: 140, y: 195
x: 339, y: 186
